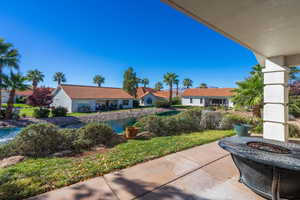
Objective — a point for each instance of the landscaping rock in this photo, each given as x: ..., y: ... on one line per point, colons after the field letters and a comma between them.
x: 62, y: 153
x: 118, y: 139
x: 98, y: 148
x: 145, y: 135
x: 11, y: 161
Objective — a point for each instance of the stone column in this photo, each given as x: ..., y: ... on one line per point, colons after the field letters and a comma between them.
x: 275, y: 112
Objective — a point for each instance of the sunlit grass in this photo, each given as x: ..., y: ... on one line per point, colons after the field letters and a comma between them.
x: 35, y: 176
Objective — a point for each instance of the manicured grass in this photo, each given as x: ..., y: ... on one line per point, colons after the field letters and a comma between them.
x: 26, y: 111
x: 18, y: 105
x: 183, y: 107
x: 78, y: 114
x: 35, y: 176
x: 169, y: 113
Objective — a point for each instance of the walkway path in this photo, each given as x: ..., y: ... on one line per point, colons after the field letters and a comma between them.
x: 201, y: 173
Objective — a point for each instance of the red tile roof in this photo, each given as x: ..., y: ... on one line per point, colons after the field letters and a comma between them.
x: 207, y: 92
x: 27, y: 93
x: 142, y: 91
x: 93, y: 92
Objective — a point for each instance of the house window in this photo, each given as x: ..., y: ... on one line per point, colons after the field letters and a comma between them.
x: 201, y: 100
x: 191, y: 100
x: 125, y: 102
x: 149, y: 101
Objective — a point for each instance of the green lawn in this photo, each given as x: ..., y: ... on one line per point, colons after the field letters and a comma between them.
x: 28, y: 111
x: 35, y: 176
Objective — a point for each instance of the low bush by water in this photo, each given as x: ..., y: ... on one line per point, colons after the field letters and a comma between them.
x: 44, y: 139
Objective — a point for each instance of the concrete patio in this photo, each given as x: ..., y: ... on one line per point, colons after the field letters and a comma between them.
x: 205, y: 173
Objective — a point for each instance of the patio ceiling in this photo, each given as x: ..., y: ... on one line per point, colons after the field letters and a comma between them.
x: 269, y: 28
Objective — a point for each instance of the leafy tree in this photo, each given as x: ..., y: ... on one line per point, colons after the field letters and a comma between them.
x: 249, y: 92
x: 41, y: 97
x: 35, y: 76
x: 187, y: 83
x: 158, y: 86
x: 130, y: 82
x: 99, y: 80
x: 176, y: 82
x: 145, y: 82
x: 59, y: 77
x: 9, y: 57
x: 203, y: 85
x: 169, y: 79
x: 12, y: 83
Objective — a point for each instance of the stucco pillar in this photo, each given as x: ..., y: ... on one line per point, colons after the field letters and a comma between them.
x: 275, y: 112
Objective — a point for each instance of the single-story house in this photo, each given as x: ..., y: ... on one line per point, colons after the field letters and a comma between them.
x: 148, y: 96
x: 79, y: 98
x: 207, y: 97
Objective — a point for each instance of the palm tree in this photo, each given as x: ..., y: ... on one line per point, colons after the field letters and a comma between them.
x: 9, y: 57
x: 176, y: 82
x: 203, y: 85
x: 59, y: 77
x: 158, y: 86
x: 145, y: 82
x: 169, y: 79
x: 250, y: 91
x: 35, y: 76
x: 12, y: 83
x: 187, y: 83
x: 99, y: 80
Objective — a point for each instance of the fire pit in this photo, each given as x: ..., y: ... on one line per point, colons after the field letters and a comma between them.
x: 269, y: 168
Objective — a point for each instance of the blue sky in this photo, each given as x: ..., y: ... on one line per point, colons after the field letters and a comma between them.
x: 84, y: 38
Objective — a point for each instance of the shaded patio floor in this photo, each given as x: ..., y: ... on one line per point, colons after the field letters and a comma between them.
x: 204, y: 173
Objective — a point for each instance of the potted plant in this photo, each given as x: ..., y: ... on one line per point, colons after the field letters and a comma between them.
x: 131, y: 132
x: 242, y: 129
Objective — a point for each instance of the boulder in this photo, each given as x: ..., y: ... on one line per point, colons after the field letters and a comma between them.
x: 62, y: 153
x: 145, y: 135
x: 11, y: 161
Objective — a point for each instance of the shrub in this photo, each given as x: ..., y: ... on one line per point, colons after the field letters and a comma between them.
x: 294, y: 106
x: 294, y: 131
x: 7, y: 150
x: 93, y: 134
x: 176, y: 101
x: 162, y: 104
x: 69, y: 138
x: 184, y: 122
x: 135, y: 103
x: 85, y: 109
x: 37, y: 140
x: 2, y: 113
x: 210, y: 120
x: 41, y: 112
x: 59, y: 111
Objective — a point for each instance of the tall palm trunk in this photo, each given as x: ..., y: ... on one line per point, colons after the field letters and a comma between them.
x: 34, y: 85
x: 256, y: 110
x: 170, y: 93
x: 10, y: 104
x: 177, y: 88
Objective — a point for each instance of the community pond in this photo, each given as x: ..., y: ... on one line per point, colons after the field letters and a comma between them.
x: 7, y: 134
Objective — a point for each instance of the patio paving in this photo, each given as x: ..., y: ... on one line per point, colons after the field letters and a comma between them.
x: 201, y: 173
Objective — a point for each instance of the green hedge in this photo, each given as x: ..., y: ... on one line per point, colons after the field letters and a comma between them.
x: 44, y: 139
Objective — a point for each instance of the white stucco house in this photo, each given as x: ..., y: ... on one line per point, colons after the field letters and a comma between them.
x: 207, y: 97
x: 148, y: 96
x: 78, y: 97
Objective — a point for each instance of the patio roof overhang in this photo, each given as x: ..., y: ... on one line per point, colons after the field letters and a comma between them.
x: 269, y: 28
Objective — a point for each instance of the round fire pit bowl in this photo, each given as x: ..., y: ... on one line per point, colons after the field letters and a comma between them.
x: 270, y: 168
